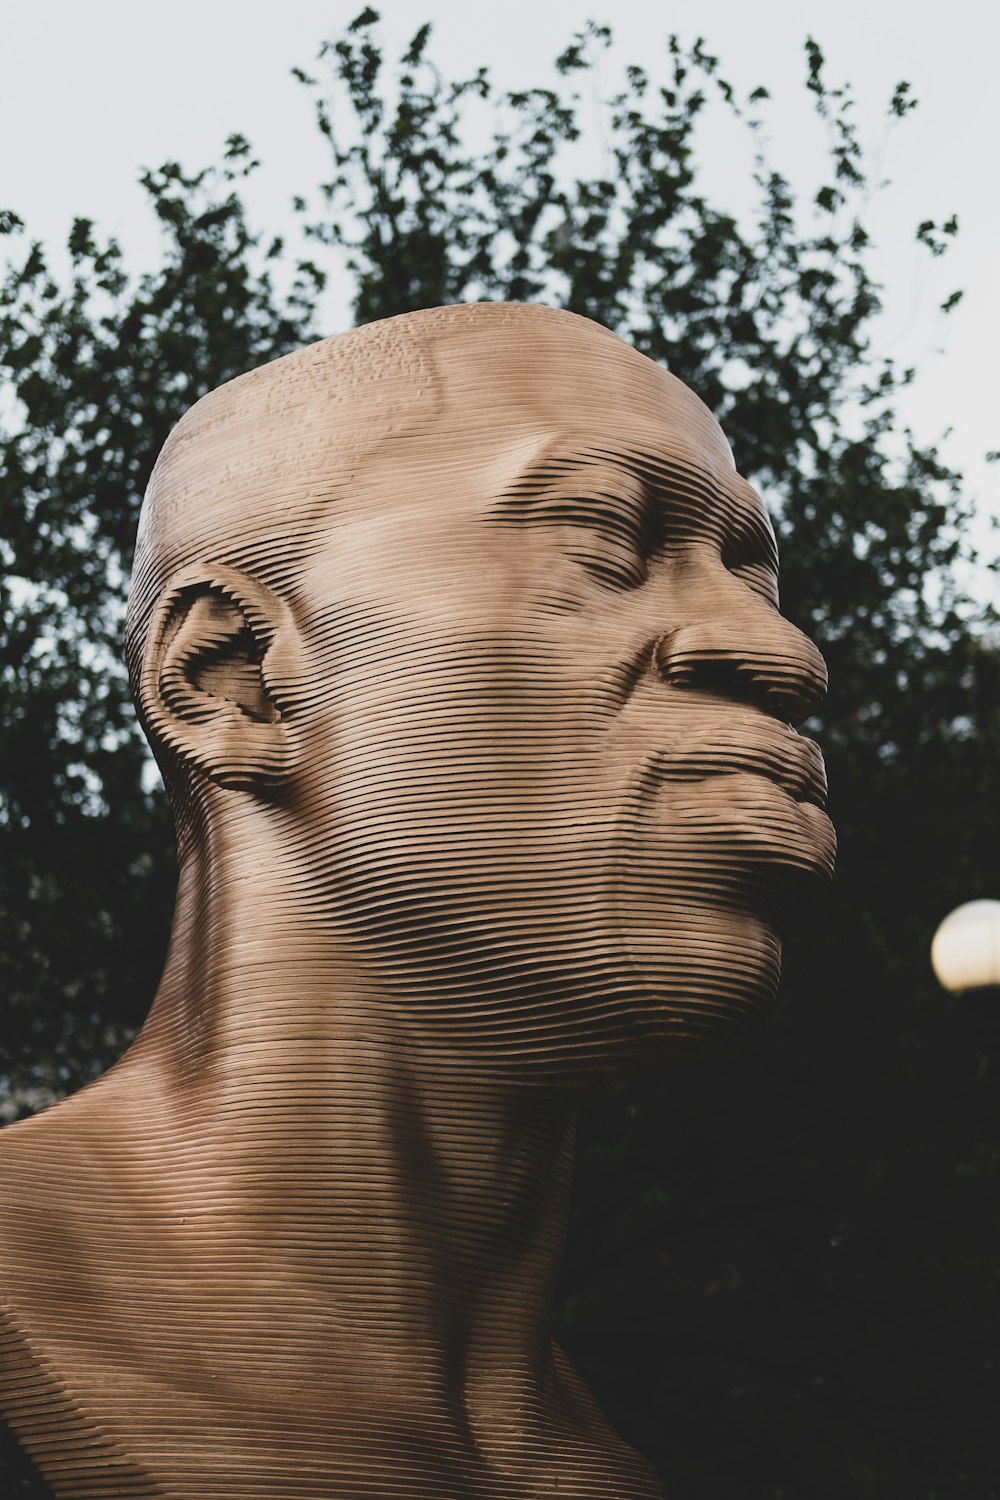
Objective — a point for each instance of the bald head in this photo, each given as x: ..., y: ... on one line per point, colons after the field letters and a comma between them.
x: 255, y: 472
x: 433, y: 594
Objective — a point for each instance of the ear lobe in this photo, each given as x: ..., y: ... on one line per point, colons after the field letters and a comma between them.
x: 215, y: 678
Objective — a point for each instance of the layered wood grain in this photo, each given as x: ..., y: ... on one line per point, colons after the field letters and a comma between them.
x: 457, y: 641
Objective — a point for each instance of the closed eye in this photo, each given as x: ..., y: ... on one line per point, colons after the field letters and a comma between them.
x: 598, y: 507
x: 605, y: 538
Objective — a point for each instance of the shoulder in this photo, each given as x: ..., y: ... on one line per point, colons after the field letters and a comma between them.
x: 23, y: 1187
x: 39, y: 1279
x: 66, y: 1176
x: 40, y: 1182
x: 26, y: 1176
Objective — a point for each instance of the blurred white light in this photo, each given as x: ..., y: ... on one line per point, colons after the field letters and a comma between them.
x: 966, y: 947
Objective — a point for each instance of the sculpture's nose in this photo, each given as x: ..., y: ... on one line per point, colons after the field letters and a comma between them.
x: 762, y: 659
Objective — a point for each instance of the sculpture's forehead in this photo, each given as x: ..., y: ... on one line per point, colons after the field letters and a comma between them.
x: 563, y: 374
x: 459, y: 394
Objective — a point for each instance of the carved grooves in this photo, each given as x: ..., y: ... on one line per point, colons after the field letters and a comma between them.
x: 457, y: 639
x: 77, y: 1459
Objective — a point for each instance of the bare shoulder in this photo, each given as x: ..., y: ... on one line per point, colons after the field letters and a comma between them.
x: 29, y: 1152
x: 42, y: 1175
x: 24, y: 1188
x: 43, y: 1266
x: 65, y: 1177
x: 44, y: 1282
x: 25, y: 1175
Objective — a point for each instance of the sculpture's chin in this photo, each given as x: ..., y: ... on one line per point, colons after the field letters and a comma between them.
x: 709, y: 977
x: 708, y: 875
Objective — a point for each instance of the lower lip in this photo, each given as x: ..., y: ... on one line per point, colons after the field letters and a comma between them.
x: 749, y: 812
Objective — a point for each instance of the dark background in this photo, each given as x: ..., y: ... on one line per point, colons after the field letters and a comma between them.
x: 783, y: 1269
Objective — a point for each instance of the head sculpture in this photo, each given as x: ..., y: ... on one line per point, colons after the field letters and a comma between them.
x: 457, y: 640
x: 476, y: 606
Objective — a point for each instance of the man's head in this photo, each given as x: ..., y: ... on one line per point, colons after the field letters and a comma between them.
x: 474, y: 607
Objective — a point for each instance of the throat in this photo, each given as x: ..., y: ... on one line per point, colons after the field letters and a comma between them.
x: 322, y: 1273
x: 402, y: 1225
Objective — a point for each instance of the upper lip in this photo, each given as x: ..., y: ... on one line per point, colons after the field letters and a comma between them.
x: 790, y: 759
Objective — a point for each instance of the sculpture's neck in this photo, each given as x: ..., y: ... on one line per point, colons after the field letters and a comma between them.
x: 376, y: 1227
x: 420, y: 1216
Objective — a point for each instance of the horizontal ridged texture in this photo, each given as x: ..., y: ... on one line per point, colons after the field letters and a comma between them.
x: 457, y: 641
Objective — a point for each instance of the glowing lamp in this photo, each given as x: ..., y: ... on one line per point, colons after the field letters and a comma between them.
x: 966, y: 948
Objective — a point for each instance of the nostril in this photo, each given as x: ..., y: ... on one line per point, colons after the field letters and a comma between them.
x: 717, y: 676
x: 782, y: 674
x: 724, y: 679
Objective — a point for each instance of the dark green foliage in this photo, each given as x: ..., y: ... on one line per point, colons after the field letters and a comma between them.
x: 100, y: 367
x: 780, y: 1276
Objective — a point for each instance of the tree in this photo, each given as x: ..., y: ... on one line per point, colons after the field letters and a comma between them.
x: 100, y: 369
x: 741, y: 1218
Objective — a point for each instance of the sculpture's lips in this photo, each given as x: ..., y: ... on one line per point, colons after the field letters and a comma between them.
x: 756, y: 784
x: 790, y: 760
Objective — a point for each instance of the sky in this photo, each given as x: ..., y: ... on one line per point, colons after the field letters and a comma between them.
x: 93, y: 92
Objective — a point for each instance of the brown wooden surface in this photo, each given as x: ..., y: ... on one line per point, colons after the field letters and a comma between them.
x: 456, y: 639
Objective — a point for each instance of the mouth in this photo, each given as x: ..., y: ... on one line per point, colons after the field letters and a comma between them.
x: 752, y: 797
x: 789, y: 760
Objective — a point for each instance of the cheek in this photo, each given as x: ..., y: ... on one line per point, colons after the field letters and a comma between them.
x: 458, y: 796
x: 447, y: 782
x: 438, y: 716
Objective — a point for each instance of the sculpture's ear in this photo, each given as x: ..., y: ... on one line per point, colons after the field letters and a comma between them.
x: 218, y: 676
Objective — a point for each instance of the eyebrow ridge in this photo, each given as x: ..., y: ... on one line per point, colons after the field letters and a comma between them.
x: 656, y: 474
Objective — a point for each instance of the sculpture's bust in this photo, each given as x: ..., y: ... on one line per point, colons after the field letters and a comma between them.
x: 457, y: 641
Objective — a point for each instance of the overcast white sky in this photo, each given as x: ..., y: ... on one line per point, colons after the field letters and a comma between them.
x: 93, y: 91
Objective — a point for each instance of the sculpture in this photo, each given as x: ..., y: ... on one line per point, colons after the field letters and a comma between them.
x: 456, y: 640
